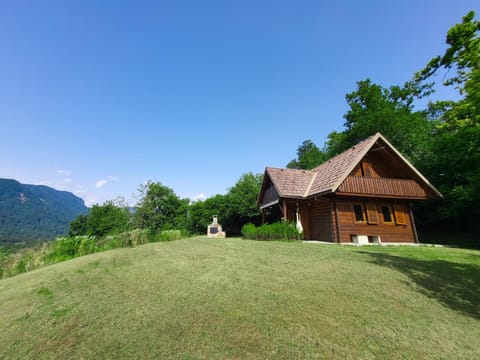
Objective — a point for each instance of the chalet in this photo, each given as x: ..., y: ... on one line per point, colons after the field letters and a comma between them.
x: 362, y: 195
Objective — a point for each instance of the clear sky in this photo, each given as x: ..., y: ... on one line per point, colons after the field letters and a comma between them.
x: 97, y: 97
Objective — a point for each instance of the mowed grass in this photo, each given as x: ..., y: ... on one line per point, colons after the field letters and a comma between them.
x: 230, y: 298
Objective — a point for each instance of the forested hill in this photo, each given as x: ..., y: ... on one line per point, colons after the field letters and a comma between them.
x: 33, y: 212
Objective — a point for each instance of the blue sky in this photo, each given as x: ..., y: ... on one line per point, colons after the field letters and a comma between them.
x: 97, y: 97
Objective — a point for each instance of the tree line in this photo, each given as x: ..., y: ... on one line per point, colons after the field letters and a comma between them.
x: 442, y: 138
x: 160, y: 208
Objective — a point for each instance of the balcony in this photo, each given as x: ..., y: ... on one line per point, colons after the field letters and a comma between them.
x: 383, y: 187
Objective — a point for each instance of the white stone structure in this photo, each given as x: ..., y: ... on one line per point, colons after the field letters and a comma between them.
x: 215, y: 229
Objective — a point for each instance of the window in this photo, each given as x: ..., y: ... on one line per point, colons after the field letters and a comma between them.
x: 387, y: 212
x: 366, y: 213
x: 393, y: 215
x: 359, y: 211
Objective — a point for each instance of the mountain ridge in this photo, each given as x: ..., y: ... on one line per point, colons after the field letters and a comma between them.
x: 35, y: 212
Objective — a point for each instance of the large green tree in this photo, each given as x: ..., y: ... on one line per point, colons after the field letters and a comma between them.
x: 308, y: 157
x: 101, y: 220
x: 242, y: 202
x: 200, y: 213
x: 234, y: 209
x: 374, y: 108
x: 78, y: 226
x: 455, y: 166
x: 159, y: 208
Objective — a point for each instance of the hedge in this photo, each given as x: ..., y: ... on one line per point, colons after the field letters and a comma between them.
x: 277, y: 231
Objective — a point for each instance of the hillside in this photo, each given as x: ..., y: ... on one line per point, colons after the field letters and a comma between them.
x: 229, y: 299
x: 31, y: 212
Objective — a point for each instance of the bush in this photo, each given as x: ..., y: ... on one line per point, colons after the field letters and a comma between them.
x: 86, y: 245
x: 277, y: 231
x: 64, y: 248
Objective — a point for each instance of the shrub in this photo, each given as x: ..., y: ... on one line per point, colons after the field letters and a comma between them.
x: 134, y: 237
x: 64, y: 248
x: 86, y: 245
x: 282, y: 230
x: 109, y: 242
x: 250, y: 231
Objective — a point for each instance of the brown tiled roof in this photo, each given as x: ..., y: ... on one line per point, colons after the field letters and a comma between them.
x: 327, y: 177
x: 291, y: 182
x: 334, y: 171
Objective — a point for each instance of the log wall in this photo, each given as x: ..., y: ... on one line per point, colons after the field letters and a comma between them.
x: 388, y: 232
x: 321, y: 220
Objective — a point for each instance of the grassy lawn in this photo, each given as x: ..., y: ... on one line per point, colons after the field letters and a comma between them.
x: 231, y: 298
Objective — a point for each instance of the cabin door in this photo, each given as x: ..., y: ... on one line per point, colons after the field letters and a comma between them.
x: 321, y: 220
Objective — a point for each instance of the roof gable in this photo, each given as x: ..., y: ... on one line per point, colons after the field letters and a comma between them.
x: 332, y: 173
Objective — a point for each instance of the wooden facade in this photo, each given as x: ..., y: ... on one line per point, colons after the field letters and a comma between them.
x: 391, y: 188
x: 365, y: 192
x: 333, y: 219
x: 392, y: 227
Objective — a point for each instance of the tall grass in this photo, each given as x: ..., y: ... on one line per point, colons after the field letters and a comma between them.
x: 169, y: 235
x: 69, y: 247
x: 23, y: 260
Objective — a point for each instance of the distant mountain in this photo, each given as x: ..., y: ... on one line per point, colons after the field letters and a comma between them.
x: 35, y: 212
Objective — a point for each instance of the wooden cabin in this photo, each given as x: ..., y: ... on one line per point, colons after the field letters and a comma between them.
x: 362, y: 195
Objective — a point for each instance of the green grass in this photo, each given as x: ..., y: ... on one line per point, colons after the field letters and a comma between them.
x: 229, y: 298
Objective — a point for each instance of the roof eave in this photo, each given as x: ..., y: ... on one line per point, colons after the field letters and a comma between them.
x: 277, y: 188
x: 320, y: 193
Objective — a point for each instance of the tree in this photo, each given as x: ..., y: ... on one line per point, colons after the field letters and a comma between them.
x: 101, y: 220
x: 78, y: 226
x: 242, y: 203
x: 456, y: 144
x: 443, y: 140
x: 336, y: 143
x: 200, y: 213
x: 462, y: 55
x: 234, y: 209
x: 309, y: 156
x: 160, y: 208
x: 107, y: 219
x: 389, y: 111
x: 373, y: 109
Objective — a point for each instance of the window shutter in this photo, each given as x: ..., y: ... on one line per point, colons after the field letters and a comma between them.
x: 372, y: 213
x: 400, y: 217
